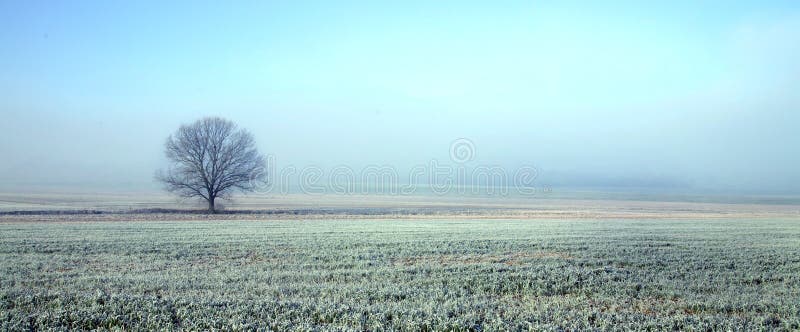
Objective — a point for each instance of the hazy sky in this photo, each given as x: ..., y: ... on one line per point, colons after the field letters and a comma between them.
x: 690, y: 94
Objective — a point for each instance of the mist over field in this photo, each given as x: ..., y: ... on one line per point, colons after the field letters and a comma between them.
x: 400, y: 166
x: 685, y: 97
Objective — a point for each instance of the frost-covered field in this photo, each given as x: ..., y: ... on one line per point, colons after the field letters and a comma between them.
x: 718, y: 274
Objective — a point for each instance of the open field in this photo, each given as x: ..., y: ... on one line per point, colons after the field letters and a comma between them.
x: 444, y: 274
x: 129, y: 206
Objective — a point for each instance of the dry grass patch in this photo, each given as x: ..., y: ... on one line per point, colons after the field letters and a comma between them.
x: 509, y: 259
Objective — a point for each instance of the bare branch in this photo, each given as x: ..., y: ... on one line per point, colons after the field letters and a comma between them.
x: 211, y: 158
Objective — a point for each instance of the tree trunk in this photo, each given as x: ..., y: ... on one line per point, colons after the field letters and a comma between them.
x: 211, y: 205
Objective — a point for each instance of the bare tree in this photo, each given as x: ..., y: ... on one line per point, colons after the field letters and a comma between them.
x: 212, y: 159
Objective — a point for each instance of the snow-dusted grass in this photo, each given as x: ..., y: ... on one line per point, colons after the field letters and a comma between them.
x: 721, y: 274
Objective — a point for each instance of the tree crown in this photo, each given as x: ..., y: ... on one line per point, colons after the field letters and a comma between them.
x: 212, y: 158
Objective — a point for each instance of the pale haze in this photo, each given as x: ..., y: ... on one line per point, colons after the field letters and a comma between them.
x: 681, y: 95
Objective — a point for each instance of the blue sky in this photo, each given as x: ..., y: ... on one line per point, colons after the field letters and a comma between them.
x: 702, y: 94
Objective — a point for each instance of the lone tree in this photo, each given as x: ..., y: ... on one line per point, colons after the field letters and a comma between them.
x: 211, y: 159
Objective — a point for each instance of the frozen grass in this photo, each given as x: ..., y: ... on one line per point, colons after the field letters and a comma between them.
x: 396, y: 274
